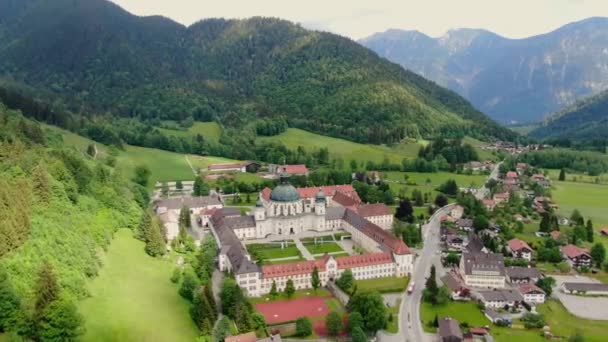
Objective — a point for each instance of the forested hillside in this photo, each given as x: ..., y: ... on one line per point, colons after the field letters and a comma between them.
x: 59, y: 209
x: 96, y: 60
x: 586, y: 119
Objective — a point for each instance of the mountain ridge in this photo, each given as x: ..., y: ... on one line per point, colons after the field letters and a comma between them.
x: 512, y: 80
x: 99, y: 58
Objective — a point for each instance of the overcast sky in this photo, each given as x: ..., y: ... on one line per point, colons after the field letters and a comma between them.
x: 360, y: 18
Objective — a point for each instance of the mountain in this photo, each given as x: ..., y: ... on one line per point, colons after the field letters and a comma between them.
x: 512, y: 80
x: 91, y: 56
x: 586, y: 119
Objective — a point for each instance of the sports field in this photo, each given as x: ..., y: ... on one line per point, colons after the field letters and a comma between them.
x: 290, y: 310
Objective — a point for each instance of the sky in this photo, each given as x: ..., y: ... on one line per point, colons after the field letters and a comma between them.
x: 361, y: 18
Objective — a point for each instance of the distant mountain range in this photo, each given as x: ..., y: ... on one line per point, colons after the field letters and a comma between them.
x: 94, y: 57
x: 586, y: 119
x: 512, y: 80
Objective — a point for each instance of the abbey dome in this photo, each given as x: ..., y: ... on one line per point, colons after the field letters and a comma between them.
x: 285, y: 192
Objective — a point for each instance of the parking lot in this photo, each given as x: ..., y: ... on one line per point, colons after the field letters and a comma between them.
x: 584, y: 307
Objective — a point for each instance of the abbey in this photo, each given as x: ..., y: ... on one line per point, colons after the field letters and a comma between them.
x: 286, y: 211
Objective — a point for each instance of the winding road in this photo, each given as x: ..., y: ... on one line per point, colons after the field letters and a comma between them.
x: 410, y: 325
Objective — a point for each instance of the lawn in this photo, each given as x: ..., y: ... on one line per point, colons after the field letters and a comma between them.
x: 273, y: 262
x: 393, y: 325
x: 483, y: 154
x: 383, y: 285
x: 589, y: 199
x: 418, y: 180
x: 562, y: 323
x: 209, y: 130
x: 274, y: 251
x: 321, y: 248
x: 347, y: 150
x: 529, y: 234
x: 132, y: 299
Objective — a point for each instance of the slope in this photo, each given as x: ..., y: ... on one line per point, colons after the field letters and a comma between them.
x: 586, y: 119
x: 99, y: 58
x: 513, y: 80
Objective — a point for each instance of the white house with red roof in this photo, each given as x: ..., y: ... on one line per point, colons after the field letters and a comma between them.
x: 292, y: 169
x: 490, y: 204
x: 512, y: 174
x: 576, y: 256
x: 532, y: 294
x: 520, y: 249
x: 501, y: 197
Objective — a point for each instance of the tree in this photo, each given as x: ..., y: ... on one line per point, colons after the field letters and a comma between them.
x: 546, y: 284
x: 333, y: 323
x: 562, y: 175
x: 92, y: 150
x: 441, y: 201
x: 452, y: 259
x: 202, y: 312
x: 179, y: 185
x: 289, y: 288
x: 533, y: 321
x: 355, y: 320
x: 222, y: 329
x: 142, y: 175
x: 315, y: 282
x: 346, y: 280
x: 46, y: 290
x: 480, y: 223
x: 598, y: 254
x: 358, y: 335
x: 61, y: 322
x: 431, y: 289
x: 200, y: 188
x: 273, y: 290
x: 259, y: 322
x: 577, y: 337
x: 10, y: 302
x: 589, y: 229
x: 189, y: 284
x: 155, y: 242
x: 371, y: 307
x: 545, y: 223
x: 303, y: 327
x: 449, y: 188
x: 405, y: 211
x: 184, y: 217
x: 577, y: 218
x: 418, y: 198
x: 144, y: 226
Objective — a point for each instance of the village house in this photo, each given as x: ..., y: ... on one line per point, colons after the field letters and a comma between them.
x: 465, y: 224
x: 490, y: 204
x: 168, y: 210
x: 576, y: 256
x: 540, y: 202
x: 512, y: 175
x: 595, y: 289
x: 294, y: 170
x: 449, y: 330
x: 500, y: 298
x: 474, y: 166
x: 483, y: 270
x: 604, y: 231
x: 457, y: 290
x: 501, y: 198
x: 532, y: 294
x: 455, y: 242
x: 457, y: 212
x: 541, y: 180
x: 521, y: 167
x: 522, y: 275
x: 520, y: 249
x: 498, y: 317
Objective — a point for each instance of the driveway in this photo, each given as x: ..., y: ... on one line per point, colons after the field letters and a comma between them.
x: 584, y: 307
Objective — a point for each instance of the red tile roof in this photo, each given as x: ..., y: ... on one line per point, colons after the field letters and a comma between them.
x: 517, y: 244
x: 247, y: 337
x: 604, y: 230
x: 376, y: 233
x: 328, y: 190
x: 572, y: 251
x: 556, y: 234
x: 503, y: 195
x: 529, y: 288
x: 511, y: 174
x: 538, y: 176
x: 488, y: 202
x: 345, y: 200
x: 364, y: 260
x: 377, y: 209
x: 299, y: 169
x: 294, y: 268
x: 208, y: 212
x: 478, y: 331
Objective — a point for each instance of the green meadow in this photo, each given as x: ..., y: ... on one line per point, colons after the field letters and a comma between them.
x: 428, y: 182
x: 209, y: 130
x: 590, y: 199
x: 347, y: 150
x: 133, y: 299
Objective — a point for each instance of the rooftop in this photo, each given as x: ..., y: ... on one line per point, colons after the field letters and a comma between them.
x: 449, y: 327
x: 247, y: 337
x: 584, y: 287
x: 518, y: 245
x: 572, y: 251
x: 519, y: 272
x: 484, y: 263
x: 363, y: 260
x: 530, y: 288
x: 188, y: 201
x: 501, y: 295
x: 377, y: 209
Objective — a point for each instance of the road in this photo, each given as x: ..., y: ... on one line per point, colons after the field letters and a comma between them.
x: 481, y: 193
x: 410, y: 325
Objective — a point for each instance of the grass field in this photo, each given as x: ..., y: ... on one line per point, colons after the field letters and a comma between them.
x: 383, y: 285
x: 273, y: 251
x: 347, y: 150
x: 321, y: 248
x: 393, y: 325
x: 483, y: 154
x: 133, y: 299
x: 579, y: 177
x: 562, y: 323
x: 209, y: 130
x: 436, y: 179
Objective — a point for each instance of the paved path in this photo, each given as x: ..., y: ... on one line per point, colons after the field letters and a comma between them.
x: 284, y: 259
x: 305, y: 253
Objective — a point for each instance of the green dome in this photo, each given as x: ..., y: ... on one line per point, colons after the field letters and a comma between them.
x: 284, y: 192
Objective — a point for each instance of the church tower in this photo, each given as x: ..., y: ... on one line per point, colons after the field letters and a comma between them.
x: 320, y: 203
x: 260, y: 211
